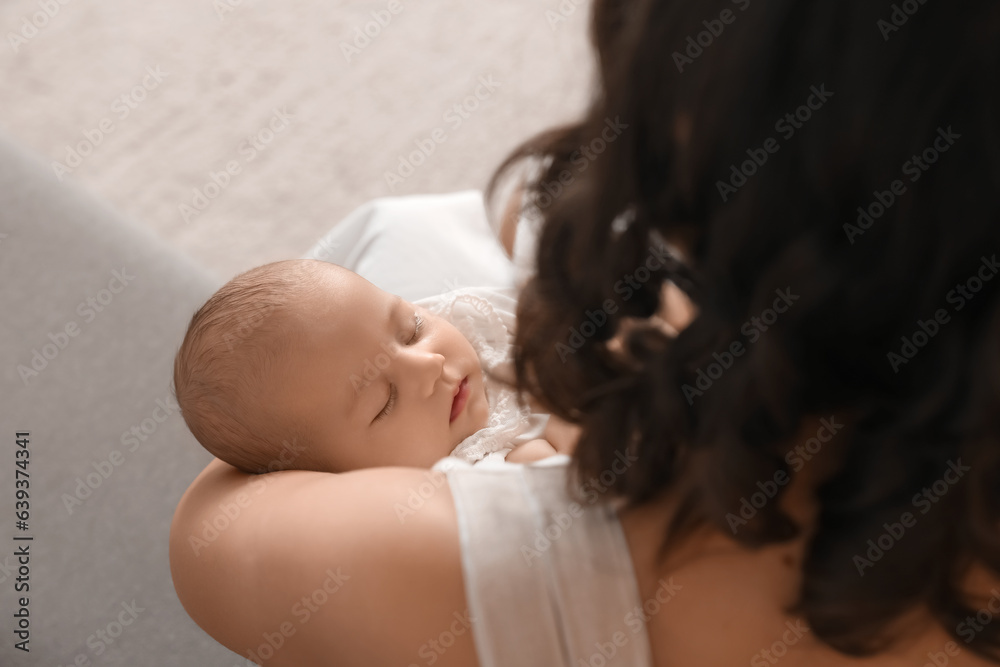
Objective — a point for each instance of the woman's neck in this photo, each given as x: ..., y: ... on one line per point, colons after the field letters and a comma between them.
x: 815, y: 454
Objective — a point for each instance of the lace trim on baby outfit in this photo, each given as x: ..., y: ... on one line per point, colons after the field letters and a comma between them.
x: 492, y: 338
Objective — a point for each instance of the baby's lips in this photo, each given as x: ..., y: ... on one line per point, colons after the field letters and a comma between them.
x: 460, y: 399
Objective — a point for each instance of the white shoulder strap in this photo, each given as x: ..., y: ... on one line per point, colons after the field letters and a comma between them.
x: 549, y: 581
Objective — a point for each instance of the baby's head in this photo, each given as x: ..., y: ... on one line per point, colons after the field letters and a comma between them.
x: 306, y: 365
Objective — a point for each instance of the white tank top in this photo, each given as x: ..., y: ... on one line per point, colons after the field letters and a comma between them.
x: 549, y: 580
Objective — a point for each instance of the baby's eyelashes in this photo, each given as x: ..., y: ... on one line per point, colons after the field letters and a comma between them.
x: 389, y: 404
x: 418, y: 326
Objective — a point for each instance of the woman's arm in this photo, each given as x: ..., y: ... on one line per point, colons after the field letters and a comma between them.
x: 361, y: 568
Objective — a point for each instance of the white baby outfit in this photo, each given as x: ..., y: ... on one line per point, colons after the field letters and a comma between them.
x: 486, y: 317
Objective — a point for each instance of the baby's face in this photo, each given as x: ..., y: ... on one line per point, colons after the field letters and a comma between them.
x: 375, y: 380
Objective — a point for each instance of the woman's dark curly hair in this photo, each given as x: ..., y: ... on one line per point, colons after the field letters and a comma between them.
x: 876, y: 209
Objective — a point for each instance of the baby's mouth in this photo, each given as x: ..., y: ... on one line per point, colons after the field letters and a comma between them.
x: 460, y: 399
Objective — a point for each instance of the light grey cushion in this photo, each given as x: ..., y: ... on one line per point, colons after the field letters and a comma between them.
x: 91, y: 561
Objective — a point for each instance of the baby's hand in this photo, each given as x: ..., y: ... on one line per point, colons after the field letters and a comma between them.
x: 561, y: 435
x: 533, y: 450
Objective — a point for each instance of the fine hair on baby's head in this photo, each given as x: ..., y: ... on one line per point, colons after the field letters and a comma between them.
x: 222, y: 371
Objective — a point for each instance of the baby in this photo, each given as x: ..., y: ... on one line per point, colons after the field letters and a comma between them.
x: 303, y: 364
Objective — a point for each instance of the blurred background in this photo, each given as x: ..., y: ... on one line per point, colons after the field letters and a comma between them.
x: 310, y: 104
x: 239, y: 132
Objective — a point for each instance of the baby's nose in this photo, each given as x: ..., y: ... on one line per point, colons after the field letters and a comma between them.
x: 426, y: 368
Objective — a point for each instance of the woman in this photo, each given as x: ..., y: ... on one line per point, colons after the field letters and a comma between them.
x: 808, y: 472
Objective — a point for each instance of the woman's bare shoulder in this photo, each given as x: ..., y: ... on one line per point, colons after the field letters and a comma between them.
x: 305, y: 568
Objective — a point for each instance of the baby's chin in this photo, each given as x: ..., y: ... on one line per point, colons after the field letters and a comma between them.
x: 477, y: 422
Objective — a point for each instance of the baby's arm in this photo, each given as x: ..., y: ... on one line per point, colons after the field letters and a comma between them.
x: 533, y: 450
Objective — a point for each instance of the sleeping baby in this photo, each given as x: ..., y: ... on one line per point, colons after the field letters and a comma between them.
x: 303, y: 364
